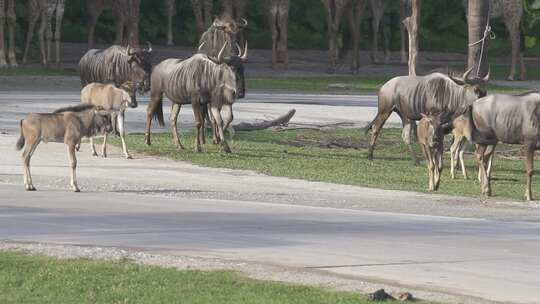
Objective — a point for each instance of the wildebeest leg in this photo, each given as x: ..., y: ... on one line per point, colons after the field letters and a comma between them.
x: 219, y: 123
x: 491, y: 153
x: 174, y: 117
x: 376, y: 127
x: 122, y: 130
x: 92, y: 146
x: 462, y: 159
x: 156, y: 97
x: 454, y: 155
x: 30, y: 147
x: 484, y: 178
x: 437, y: 157
x: 199, y: 113
x: 215, y: 131
x: 227, y: 117
x: 425, y: 150
x: 408, y: 132
x: 73, y: 164
x: 113, y: 122
x: 530, y: 167
x: 104, y: 146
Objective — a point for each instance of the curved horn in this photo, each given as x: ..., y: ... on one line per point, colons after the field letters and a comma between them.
x: 486, y: 78
x: 220, y: 55
x: 456, y: 79
x: 244, y: 56
x: 466, y: 74
x: 244, y: 23
x: 201, y: 46
x: 239, y: 49
x: 149, y: 46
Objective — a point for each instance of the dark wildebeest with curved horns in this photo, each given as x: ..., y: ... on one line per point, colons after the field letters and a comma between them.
x: 412, y: 96
x: 223, y: 31
x: 118, y: 65
x: 200, y: 80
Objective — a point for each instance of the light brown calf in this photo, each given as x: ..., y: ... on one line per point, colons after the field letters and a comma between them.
x: 67, y: 125
x: 430, y: 136
x: 113, y: 99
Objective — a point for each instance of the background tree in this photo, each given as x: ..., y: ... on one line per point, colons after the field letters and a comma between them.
x: 278, y: 19
x: 355, y: 15
x: 412, y: 23
x: 334, y: 10
x: 203, y: 14
x: 477, y: 17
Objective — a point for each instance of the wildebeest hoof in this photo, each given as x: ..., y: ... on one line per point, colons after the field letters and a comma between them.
x: 104, y: 155
x: 94, y: 153
x: 179, y: 147
x: 76, y: 189
x: 227, y: 149
x: 129, y: 157
x: 30, y: 188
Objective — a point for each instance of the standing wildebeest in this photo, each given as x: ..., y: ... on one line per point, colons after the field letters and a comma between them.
x: 199, y: 80
x: 112, y: 99
x: 222, y: 32
x: 410, y: 96
x: 431, y: 136
x: 67, y: 125
x: 508, y: 119
x: 117, y: 64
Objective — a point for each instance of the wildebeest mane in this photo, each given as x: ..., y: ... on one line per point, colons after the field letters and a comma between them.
x: 446, y: 96
x: 77, y: 108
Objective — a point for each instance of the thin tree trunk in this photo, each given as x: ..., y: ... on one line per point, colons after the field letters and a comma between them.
x: 412, y: 24
x: 477, y: 17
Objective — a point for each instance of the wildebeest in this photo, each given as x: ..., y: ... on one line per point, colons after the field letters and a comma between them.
x: 117, y: 64
x: 508, y: 119
x: 223, y: 31
x: 115, y: 100
x: 431, y: 136
x: 67, y: 125
x: 199, y: 80
x: 410, y: 96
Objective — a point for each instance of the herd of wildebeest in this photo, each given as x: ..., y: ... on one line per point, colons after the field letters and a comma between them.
x: 213, y: 79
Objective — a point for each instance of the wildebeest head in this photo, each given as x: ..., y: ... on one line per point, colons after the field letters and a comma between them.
x: 102, y: 121
x: 433, y: 127
x: 236, y: 63
x: 140, y: 61
x: 129, y: 93
x: 475, y: 86
x: 228, y: 24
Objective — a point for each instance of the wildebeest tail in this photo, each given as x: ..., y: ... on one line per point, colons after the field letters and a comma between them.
x: 158, y: 111
x: 20, y: 142
x: 368, y: 127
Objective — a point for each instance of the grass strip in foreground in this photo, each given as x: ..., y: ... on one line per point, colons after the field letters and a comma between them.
x: 319, y: 156
x: 38, y: 279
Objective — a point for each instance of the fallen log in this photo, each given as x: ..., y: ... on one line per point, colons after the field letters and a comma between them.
x: 282, y: 120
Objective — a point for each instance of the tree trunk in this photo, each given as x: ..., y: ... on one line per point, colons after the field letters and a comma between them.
x: 278, y: 18
x: 412, y: 24
x: 171, y: 11
x: 477, y: 18
x: 355, y: 14
x: 335, y: 10
x: 404, y: 12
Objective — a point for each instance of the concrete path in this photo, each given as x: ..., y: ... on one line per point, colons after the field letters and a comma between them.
x: 447, y: 244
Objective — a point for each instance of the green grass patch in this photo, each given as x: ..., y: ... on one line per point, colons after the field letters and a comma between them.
x: 318, y: 156
x: 346, y: 84
x: 38, y: 279
x: 25, y: 71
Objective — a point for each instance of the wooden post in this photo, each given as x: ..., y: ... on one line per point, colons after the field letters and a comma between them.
x: 412, y: 24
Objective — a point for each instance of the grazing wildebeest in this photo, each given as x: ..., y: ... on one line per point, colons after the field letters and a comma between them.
x: 430, y: 136
x: 410, y: 96
x: 67, y: 125
x: 223, y: 31
x: 117, y: 64
x: 115, y: 100
x: 199, y: 80
x: 508, y: 119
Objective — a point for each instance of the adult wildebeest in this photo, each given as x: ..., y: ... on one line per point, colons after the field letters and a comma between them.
x: 115, y: 100
x: 223, y: 31
x: 410, y: 96
x: 117, y: 64
x: 67, y: 125
x: 430, y: 136
x: 200, y: 80
x: 508, y: 119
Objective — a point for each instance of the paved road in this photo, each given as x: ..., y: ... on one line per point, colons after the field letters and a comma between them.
x: 446, y: 244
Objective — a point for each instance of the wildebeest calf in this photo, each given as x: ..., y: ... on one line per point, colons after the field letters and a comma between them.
x: 431, y: 136
x: 67, y: 125
x: 115, y: 100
